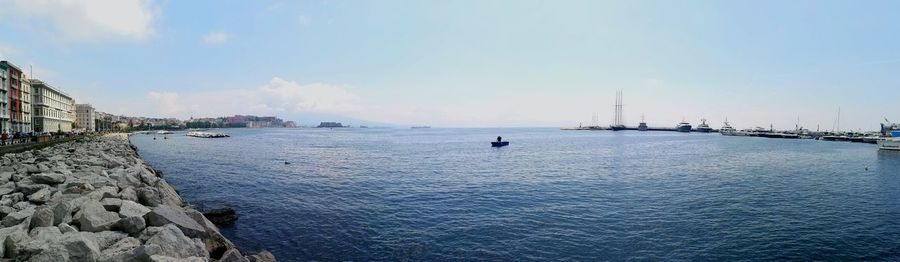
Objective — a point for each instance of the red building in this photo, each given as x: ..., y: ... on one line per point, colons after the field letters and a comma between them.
x: 19, y: 106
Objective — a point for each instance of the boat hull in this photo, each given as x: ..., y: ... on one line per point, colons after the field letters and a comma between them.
x: 684, y: 129
x: 892, y: 144
x: 499, y: 144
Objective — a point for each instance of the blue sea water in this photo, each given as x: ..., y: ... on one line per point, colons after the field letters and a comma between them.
x: 445, y: 194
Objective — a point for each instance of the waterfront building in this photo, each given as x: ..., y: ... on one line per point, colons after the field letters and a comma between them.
x: 53, y: 110
x: 5, y: 81
x: 85, y: 117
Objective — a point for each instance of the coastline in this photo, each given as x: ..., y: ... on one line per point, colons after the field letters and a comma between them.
x: 97, y: 200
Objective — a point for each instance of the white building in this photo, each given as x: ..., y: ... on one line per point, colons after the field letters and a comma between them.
x: 84, y: 117
x: 53, y: 109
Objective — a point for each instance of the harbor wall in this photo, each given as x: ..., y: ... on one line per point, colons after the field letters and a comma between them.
x: 95, y: 199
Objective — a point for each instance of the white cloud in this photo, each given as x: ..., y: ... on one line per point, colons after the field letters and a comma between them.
x: 304, y: 20
x: 88, y: 20
x: 217, y: 37
x: 279, y: 96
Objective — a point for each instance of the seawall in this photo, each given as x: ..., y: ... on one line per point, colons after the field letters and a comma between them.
x: 96, y: 200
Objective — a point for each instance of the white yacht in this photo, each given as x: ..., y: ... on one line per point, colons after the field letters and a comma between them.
x: 890, y: 143
x: 727, y: 130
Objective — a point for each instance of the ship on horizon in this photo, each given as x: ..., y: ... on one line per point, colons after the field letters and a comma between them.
x: 684, y: 126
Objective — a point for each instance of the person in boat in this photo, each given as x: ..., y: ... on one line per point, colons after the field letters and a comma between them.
x: 499, y: 138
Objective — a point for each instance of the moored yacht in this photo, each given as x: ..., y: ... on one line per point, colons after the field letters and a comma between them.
x: 727, y: 130
x: 703, y: 127
x: 683, y: 127
x: 890, y: 143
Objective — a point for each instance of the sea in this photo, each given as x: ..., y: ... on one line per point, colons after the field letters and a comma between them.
x: 444, y: 194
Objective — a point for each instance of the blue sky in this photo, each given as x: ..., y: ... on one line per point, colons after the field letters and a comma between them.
x: 469, y: 63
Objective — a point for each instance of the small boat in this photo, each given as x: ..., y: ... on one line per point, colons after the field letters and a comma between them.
x: 499, y: 144
x: 892, y: 143
x: 163, y: 132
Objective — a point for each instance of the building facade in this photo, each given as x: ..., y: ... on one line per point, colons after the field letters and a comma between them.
x: 85, y: 117
x: 53, y: 110
x: 16, y: 103
x: 4, y: 97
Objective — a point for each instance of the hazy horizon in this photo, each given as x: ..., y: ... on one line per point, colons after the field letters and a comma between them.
x: 469, y: 63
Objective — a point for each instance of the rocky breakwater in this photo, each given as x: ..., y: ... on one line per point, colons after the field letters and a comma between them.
x: 96, y: 200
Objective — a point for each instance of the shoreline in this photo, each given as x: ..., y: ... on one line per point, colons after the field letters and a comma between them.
x: 97, y: 200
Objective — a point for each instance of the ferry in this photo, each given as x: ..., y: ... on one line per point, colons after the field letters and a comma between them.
x: 683, y: 127
x: 703, y: 127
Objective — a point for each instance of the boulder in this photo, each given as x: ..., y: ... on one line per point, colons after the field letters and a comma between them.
x: 106, y: 239
x: 216, y: 243
x: 17, y: 217
x: 161, y: 258
x: 221, y: 216
x: 111, y: 204
x: 130, y: 225
x: 5, y: 210
x: 170, y: 241
x: 7, y: 188
x: 66, y: 228
x: 41, y: 196
x: 132, y: 209
x: 27, y: 187
x: 80, y: 246
x: 163, y: 215
x: 168, y: 195
x: 128, y: 194
x: 15, y: 242
x: 11, y: 199
x: 263, y: 256
x: 94, y: 218
x: 233, y: 255
x: 62, y: 212
x: 123, y: 250
x: 42, y: 217
x: 149, y: 196
x: 48, y: 178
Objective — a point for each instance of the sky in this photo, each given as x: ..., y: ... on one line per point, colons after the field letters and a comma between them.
x: 469, y: 63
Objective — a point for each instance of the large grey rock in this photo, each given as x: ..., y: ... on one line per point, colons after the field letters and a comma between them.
x: 263, y: 256
x: 103, y: 192
x: 48, y: 178
x: 131, y: 225
x: 27, y: 187
x: 168, y: 195
x: 16, y: 242
x: 214, y: 241
x: 170, y: 241
x: 161, y: 258
x: 233, y: 255
x: 94, y: 218
x: 66, y: 228
x: 11, y: 199
x: 80, y: 246
x: 5, y: 210
x: 124, y: 179
x: 149, y: 196
x: 163, y: 215
x: 129, y: 194
x: 132, y: 209
x: 108, y: 238
x: 111, y: 204
x: 7, y: 188
x: 17, y: 217
x: 41, y: 196
x: 123, y: 250
x: 42, y: 217
x: 62, y: 212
